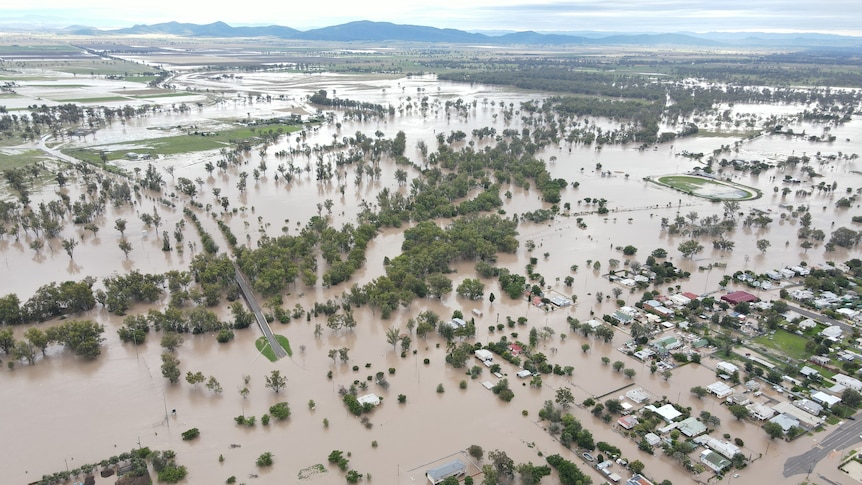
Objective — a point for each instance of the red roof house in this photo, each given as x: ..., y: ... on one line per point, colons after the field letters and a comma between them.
x: 739, y: 297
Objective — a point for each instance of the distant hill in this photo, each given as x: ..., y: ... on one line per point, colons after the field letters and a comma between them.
x: 367, y: 31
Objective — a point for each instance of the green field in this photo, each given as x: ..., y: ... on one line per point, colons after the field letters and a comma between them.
x: 787, y: 343
x: 173, y: 145
x: 263, y: 347
x: 21, y: 158
x: 708, y: 188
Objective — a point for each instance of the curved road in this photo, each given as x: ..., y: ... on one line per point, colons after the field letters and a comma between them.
x: 844, y: 436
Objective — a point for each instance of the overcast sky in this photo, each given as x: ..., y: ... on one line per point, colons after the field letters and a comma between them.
x: 834, y: 16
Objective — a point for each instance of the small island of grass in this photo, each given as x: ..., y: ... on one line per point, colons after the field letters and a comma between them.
x: 708, y: 188
x: 264, y: 348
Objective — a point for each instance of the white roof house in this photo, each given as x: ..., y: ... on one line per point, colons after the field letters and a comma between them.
x: 832, y: 333
x: 727, y: 367
x: 680, y: 300
x: 484, y: 355
x: 806, y: 324
x: 720, y: 389
x: 652, y: 438
x: 827, y: 400
x: 667, y: 412
x: 369, y: 398
x: 724, y: 448
x: 523, y: 373
x: 761, y: 412
x: 848, y: 382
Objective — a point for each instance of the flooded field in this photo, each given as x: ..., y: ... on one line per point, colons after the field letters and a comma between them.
x: 64, y: 411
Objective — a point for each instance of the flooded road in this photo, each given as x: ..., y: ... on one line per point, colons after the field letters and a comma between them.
x: 66, y: 411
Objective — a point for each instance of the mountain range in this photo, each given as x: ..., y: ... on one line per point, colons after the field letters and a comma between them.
x: 367, y: 31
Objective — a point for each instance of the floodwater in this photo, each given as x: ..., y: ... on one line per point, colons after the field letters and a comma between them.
x: 63, y: 411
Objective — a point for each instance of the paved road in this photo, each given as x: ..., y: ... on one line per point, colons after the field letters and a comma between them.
x: 258, y: 313
x: 822, y: 318
x: 843, y: 437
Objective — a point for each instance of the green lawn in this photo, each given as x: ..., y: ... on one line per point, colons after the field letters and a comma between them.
x: 172, y: 145
x: 787, y: 343
x: 103, y: 99
x: 263, y: 347
x: 21, y: 159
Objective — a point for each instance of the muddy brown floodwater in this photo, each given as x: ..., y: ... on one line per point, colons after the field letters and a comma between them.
x: 63, y: 411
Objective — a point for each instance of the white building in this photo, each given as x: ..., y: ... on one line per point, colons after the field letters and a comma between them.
x: 832, y: 333
x: 484, y: 355
x: 827, y: 400
x: 727, y: 367
x: 848, y: 382
x: 719, y: 389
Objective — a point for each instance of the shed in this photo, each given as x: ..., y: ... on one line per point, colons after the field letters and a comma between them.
x: 452, y: 469
x: 477, y: 312
x: 727, y: 367
x: 739, y: 297
x: 524, y: 373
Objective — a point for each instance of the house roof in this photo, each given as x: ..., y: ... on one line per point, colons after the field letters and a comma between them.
x: 444, y: 471
x: 691, y: 427
x: 786, y: 422
x: 667, y: 412
x: 739, y: 297
x: 714, y: 460
x: 628, y: 422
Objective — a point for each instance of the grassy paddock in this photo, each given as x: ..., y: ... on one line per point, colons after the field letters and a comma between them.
x: 173, y: 145
x: 708, y: 188
x: 788, y: 343
x: 264, y: 348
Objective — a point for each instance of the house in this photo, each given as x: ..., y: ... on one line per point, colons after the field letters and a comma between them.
x: 484, y: 355
x: 691, y: 427
x: 515, y: 349
x: 760, y: 412
x: 638, y: 480
x: 637, y: 395
x: 833, y: 333
x: 457, y: 323
x: 806, y: 324
x: 739, y: 297
x: 808, y: 406
x: 524, y: 373
x: 801, y: 295
x: 787, y: 273
x: 666, y: 344
x: 786, y: 422
x: 800, y: 270
x: 727, y: 368
x: 477, y: 312
x: 667, y: 412
x: 826, y: 400
x: 371, y: 399
x: 652, y: 439
x: 690, y: 295
x: 680, y: 299
x: 455, y: 468
x: 622, y: 318
x: 560, y: 301
x: 654, y: 306
x: 719, y: 389
x: 723, y: 448
x: 628, y: 422
x: 714, y: 461
x: 644, y: 354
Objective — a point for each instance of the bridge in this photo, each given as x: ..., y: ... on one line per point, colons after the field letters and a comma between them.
x: 258, y: 314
